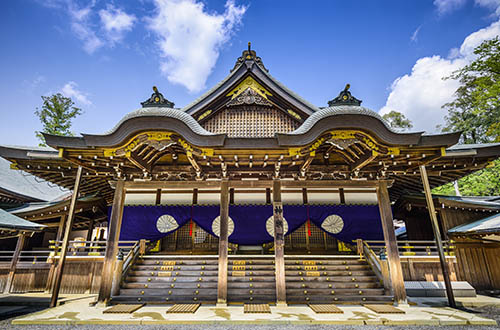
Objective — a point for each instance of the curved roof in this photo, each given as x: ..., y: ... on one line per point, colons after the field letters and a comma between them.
x: 335, y: 111
x: 163, y: 112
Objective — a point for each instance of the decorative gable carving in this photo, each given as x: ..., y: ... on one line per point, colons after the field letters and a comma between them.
x: 248, y: 97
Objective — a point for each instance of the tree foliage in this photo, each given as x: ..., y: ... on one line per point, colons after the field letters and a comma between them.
x: 56, y: 114
x: 397, y: 120
x: 485, y: 182
x: 476, y: 112
x: 476, y: 108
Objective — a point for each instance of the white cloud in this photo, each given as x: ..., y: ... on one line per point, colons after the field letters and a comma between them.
x: 93, y: 27
x: 116, y: 22
x: 83, y: 28
x: 414, y: 36
x: 446, y: 6
x: 71, y: 90
x: 190, y: 38
x: 493, y: 5
x: 420, y: 94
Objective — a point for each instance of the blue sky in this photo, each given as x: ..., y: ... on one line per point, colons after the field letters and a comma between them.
x: 107, y: 55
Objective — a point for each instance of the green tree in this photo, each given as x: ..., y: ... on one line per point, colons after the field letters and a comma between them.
x: 397, y: 120
x: 476, y: 108
x: 56, y: 114
x: 476, y: 112
x: 485, y: 182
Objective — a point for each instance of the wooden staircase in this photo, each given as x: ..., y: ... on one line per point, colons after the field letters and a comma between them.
x: 251, y: 279
x: 332, y: 279
x: 170, y: 279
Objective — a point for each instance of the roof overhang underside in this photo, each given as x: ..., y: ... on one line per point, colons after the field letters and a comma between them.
x: 335, y: 146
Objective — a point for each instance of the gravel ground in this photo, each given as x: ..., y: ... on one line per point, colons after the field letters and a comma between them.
x: 489, y: 312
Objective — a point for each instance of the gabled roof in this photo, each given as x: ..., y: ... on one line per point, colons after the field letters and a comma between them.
x: 250, y: 65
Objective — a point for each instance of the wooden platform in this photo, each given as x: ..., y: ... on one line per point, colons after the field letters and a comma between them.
x: 123, y: 309
x: 383, y: 309
x: 256, y: 308
x: 183, y: 308
x: 325, y: 309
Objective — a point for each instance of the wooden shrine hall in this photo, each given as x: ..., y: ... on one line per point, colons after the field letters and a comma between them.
x: 272, y: 187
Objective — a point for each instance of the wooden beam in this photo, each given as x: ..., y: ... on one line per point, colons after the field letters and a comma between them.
x: 115, y: 223
x: 14, y: 261
x: 56, y: 284
x: 304, y: 196
x: 158, y: 197
x: 194, y: 163
x: 195, y: 196
x: 305, y: 166
x: 223, y: 243
x: 137, y: 160
x: 153, y: 185
x: 279, y: 244
x: 437, y: 236
x: 342, y: 195
x: 396, y: 272
x: 363, y: 161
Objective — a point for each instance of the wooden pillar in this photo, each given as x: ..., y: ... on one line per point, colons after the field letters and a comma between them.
x: 396, y: 272
x: 56, y: 284
x: 91, y: 229
x: 223, y: 243
x: 437, y: 236
x: 115, y: 223
x: 52, y: 269
x: 13, y: 264
x: 279, y: 244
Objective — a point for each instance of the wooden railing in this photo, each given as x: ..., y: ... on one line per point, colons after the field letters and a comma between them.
x: 37, y: 256
x: 139, y: 248
x: 413, y: 248
x: 82, y: 248
x: 419, y: 259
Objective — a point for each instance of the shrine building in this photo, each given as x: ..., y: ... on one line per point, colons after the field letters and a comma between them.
x: 248, y: 194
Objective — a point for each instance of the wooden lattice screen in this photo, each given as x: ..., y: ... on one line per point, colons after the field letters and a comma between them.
x: 202, y: 241
x: 250, y: 121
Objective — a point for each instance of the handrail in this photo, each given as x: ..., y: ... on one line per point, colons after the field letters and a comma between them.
x: 373, y: 260
x: 378, y: 266
x: 414, y: 247
x: 130, y: 258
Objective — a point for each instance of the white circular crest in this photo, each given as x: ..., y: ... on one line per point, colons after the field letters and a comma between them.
x: 216, y: 226
x: 166, y: 223
x: 270, y: 226
x: 333, y: 224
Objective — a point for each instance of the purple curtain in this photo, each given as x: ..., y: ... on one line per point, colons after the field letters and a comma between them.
x: 358, y: 221
x: 139, y: 222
